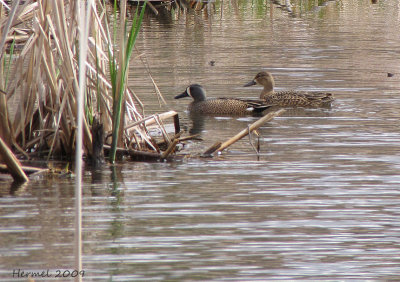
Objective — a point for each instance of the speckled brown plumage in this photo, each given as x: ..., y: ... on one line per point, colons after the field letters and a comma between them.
x: 289, y: 98
x: 224, y: 106
x: 294, y: 98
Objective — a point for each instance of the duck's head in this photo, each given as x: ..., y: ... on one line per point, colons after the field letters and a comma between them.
x: 196, y: 91
x: 263, y: 78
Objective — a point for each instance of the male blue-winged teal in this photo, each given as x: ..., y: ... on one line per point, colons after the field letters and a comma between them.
x: 224, y: 106
x: 290, y: 98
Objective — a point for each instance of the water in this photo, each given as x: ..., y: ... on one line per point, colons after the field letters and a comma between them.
x: 321, y: 201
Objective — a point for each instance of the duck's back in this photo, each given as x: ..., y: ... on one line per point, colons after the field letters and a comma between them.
x: 225, y: 106
x: 293, y: 98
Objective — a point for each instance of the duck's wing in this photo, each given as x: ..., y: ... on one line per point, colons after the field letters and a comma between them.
x: 318, y: 95
x: 319, y: 98
x: 299, y: 98
x: 255, y: 105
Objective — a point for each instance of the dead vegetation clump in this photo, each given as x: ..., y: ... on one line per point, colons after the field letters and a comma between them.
x: 39, y: 79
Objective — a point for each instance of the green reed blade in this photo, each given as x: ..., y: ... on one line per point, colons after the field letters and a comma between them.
x: 118, y: 98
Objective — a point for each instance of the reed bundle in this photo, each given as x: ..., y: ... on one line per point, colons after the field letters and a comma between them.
x: 39, y: 82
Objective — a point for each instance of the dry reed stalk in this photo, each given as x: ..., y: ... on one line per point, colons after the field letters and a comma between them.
x: 84, y: 18
x: 5, y: 128
x: 27, y: 169
x: 171, y: 149
x: 150, y: 120
x: 12, y: 163
x: 143, y: 59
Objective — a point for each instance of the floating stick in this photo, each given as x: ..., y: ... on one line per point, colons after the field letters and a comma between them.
x: 244, y: 132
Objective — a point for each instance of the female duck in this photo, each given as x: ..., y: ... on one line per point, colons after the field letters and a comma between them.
x: 224, y: 106
x: 289, y: 98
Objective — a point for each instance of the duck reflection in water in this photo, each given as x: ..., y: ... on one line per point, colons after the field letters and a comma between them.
x: 198, y: 123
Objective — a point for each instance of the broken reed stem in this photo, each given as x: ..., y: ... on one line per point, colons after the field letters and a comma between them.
x: 243, y: 133
x: 151, y: 119
x: 257, y: 150
x: 143, y: 59
x: 212, y: 149
x: 153, y: 8
x: 12, y: 163
x: 27, y: 169
x: 190, y: 137
x: 171, y: 149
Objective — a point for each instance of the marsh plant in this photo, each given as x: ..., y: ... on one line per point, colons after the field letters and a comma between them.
x: 39, y: 77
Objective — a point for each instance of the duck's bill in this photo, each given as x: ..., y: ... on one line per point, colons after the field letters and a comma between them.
x: 251, y: 83
x: 183, y: 95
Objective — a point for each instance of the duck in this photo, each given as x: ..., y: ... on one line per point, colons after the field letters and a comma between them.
x: 289, y: 98
x: 223, y: 106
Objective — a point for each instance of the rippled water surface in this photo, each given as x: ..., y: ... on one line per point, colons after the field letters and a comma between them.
x: 320, y: 201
